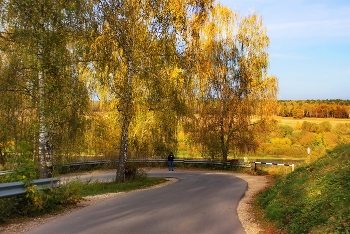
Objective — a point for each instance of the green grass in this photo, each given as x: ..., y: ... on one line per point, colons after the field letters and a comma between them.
x: 183, y: 154
x: 314, y: 198
x: 95, y: 188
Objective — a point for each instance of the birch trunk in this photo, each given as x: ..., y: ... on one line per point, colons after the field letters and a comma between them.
x: 42, y: 127
x: 123, y: 153
x: 45, y: 149
x: 126, y: 118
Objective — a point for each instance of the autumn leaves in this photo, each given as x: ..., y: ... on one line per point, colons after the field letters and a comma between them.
x: 171, y: 63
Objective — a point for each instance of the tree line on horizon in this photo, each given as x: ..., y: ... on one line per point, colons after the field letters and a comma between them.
x: 314, y: 108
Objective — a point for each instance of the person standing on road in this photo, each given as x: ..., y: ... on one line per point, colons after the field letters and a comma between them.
x: 171, y: 161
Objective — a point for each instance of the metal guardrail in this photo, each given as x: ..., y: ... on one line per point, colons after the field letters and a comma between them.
x: 277, y: 164
x: 245, y: 164
x: 160, y: 160
x: 18, y: 188
x: 77, y: 165
x: 6, y: 172
x: 184, y: 161
x: 91, y: 163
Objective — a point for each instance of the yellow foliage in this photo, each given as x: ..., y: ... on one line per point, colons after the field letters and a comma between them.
x: 281, y: 141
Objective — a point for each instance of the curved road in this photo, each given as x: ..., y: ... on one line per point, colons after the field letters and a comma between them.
x: 200, y: 202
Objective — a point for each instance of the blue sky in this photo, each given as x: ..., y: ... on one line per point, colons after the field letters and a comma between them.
x: 309, y: 45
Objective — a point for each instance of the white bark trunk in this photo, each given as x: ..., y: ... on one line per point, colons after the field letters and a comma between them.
x: 43, y: 136
x: 45, y: 149
x: 127, y: 108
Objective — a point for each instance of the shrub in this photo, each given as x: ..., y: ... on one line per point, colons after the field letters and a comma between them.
x: 342, y: 129
x: 36, y: 202
x: 310, y: 127
x: 325, y: 126
x: 26, y: 170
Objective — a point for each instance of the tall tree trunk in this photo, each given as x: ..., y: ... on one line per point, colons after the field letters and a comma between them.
x: 127, y: 112
x: 123, y: 153
x: 43, y: 136
x: 45, y: 148
x: 224, y: 142
x: 223, y: 133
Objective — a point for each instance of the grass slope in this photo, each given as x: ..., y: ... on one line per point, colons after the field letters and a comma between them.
x: 314, y: 198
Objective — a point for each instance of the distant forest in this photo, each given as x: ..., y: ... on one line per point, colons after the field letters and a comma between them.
x: 314, y: 108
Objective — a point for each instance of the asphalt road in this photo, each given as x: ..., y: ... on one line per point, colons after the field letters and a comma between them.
x: 200, y: 202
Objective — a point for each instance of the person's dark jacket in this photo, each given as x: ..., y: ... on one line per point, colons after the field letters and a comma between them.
x: 171, y: 157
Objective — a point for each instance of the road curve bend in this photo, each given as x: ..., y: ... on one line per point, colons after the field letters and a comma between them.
x: 200, y: 202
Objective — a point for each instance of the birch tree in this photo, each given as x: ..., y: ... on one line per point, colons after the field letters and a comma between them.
x: 39, y: 35
x: 232, y: 81
x: 135, y: 53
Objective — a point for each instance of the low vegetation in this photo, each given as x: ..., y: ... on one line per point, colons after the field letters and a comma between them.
x: 36, y: 202
x: 314, y: 198
x: 95, y: 188
x: 289, y: 138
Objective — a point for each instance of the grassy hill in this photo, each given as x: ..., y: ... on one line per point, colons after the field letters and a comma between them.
x: 314, y: 198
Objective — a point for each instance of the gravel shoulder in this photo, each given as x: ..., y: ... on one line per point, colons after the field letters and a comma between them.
x: 256, y: 184
x: 244, y: 209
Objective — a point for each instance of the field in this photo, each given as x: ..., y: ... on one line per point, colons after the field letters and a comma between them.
x: 292, y: 122
x: 286, y: 155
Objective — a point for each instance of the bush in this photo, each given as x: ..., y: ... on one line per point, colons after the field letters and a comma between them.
x: 36, y: 202
x: 26, y: 170
x: 325, y: 126
x: 285, y: 130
